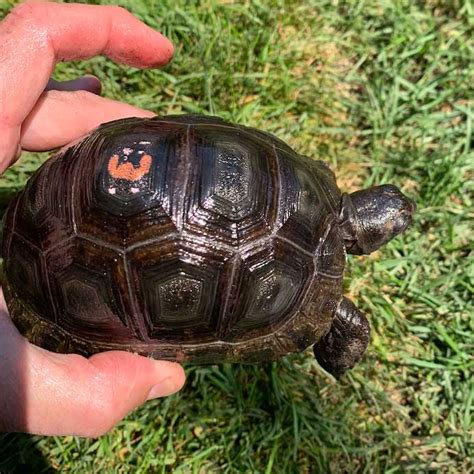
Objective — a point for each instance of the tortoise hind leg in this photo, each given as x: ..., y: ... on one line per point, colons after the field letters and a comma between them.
x: 345, y: 343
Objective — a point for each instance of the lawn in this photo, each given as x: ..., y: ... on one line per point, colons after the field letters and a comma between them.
x: 382, y: 91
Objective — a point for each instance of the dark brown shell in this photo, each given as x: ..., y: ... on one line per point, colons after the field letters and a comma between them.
x: 183, y: 238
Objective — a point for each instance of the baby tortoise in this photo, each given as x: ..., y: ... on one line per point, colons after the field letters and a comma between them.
x: 190, y: 238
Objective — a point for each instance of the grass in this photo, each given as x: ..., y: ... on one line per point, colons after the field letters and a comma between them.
x: 382, y: 90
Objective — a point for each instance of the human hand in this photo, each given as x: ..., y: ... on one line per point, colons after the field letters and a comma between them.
x: 42, y: 392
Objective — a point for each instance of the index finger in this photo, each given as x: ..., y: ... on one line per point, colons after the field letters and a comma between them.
x: 36, y: 35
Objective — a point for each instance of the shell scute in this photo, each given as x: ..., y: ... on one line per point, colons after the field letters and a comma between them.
x: 180, y: 288
x: 137, y: 185
x: 270, y: 281
x: 233, y: 190
x: 90, y: 293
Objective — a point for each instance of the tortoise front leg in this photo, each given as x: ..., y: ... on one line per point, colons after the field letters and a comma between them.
x: 345, y: 343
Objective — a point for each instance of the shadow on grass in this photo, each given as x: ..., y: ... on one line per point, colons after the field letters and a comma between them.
x: 19, y: 454
x: 284, y: 417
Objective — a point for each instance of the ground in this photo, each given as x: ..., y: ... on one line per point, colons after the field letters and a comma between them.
x: 381, y: 90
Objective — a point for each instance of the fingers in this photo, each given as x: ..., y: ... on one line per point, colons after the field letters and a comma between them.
x: 53, y: 394
x: 62, y: 117
x: 38, y: 34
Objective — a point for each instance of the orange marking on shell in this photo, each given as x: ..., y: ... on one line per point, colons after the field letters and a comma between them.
x: 129, y: 171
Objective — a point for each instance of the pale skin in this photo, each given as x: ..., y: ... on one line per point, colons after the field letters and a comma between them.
x: 42, y: 392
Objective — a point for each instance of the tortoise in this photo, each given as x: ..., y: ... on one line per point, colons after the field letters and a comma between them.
x: 189, y: 238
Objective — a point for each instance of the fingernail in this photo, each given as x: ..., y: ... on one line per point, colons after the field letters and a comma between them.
x: 92, y: 84
x: 162, y: 389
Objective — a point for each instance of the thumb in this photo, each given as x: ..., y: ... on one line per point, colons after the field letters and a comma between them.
x: 72, y: 395
x: 68, y: 394
x: 55, y: 394
x: 124, y: 381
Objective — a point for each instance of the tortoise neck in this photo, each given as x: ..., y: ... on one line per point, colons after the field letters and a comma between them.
x: 349, y: 225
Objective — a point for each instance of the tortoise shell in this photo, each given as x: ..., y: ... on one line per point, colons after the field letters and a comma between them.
x: 179, y: 237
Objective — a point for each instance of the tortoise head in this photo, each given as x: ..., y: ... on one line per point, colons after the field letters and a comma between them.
x: 371, y: 217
